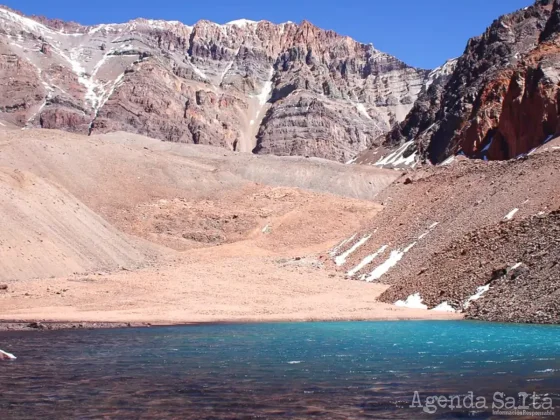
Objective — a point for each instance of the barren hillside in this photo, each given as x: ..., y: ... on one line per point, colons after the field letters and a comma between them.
x: 432, y: 214
x: 48, y: 232
x: 124, y: 228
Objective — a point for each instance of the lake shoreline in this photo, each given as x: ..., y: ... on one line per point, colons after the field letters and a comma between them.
x: 57, y: 325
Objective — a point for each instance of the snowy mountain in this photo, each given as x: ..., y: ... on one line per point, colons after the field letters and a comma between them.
x: 286, y: 89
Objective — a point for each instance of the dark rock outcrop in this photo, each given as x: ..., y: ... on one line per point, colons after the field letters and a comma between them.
x: 501, y: 100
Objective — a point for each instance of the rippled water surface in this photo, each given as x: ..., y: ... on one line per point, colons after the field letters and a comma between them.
x: 291, y: 370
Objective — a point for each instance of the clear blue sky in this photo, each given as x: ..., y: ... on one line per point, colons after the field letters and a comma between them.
x: 422, y: 33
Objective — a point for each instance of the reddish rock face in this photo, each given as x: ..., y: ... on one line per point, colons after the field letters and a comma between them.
x: 285, y: 89
x: 22, y: 91
x: 501, y: 100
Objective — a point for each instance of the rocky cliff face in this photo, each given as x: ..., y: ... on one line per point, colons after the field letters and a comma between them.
x: 288, y: 89
x: 501, y: 100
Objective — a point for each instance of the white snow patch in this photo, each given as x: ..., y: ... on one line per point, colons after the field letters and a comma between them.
x: 351, y: 161
x: 413, y: 301
x: 266, y: 90
x: 30, y: 24
x: 362, y: 109
x: 519, y: 264
x: 479, y: 293
x: 163, y: 24
x: 408, y: 248
x: 8, y: 355
x: 228, y: 67
x: 252, y: 122
x: 430, y: 228
x: 341, y: 259
x: 198, y: 71
x: 104, y: 97
x: 396, y: 158
x: 92, y: 96
x: 335, y: 250
x: 2, y: 124
x: 448, y: 161
x: 367, y: 260
x: 510, y: 215
x: 444, y: 307
x: 241, y: 22
x: 445, y: 70
x: 392, y: 261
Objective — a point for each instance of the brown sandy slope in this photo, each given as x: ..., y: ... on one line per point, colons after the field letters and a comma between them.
x: 248, y: 241
x: 178, y: 195
x: 46, y: 231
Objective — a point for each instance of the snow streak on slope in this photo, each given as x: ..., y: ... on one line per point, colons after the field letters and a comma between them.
x: 341, y: 259
x: 397, y: 158
x: 367, y: 260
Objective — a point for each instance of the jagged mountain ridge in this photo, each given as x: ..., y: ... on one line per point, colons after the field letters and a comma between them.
x: 286, y: 89
x: 501, y: 100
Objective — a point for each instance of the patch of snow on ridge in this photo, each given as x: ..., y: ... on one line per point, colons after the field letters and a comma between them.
x: 413, y: 301
x: 362, y: 109
x: 447, y: 161
x: 341, y: 259
x: 228, y: 67
x: 91, y: 95
x: 396, y: 158
x: 241, y: 22
x: 367, y: 260
x: 30, y: 24
x: 510, y: 215
x: 351, y: 161
x: 479, y: 293
x: 444, y: 307
x: 430, y: 228
x: 445, y: 70
x: 266, y: 90
x: 392, y: 261
x: 340, y: 245
x: 198, y: 71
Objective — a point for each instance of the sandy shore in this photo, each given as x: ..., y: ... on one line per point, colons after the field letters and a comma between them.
x: 221, y: 284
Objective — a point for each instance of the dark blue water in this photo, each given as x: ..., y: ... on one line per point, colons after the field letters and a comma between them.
x: 292, y: 370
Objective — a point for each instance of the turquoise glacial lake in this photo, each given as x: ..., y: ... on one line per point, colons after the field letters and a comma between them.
x: 342, y: 370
